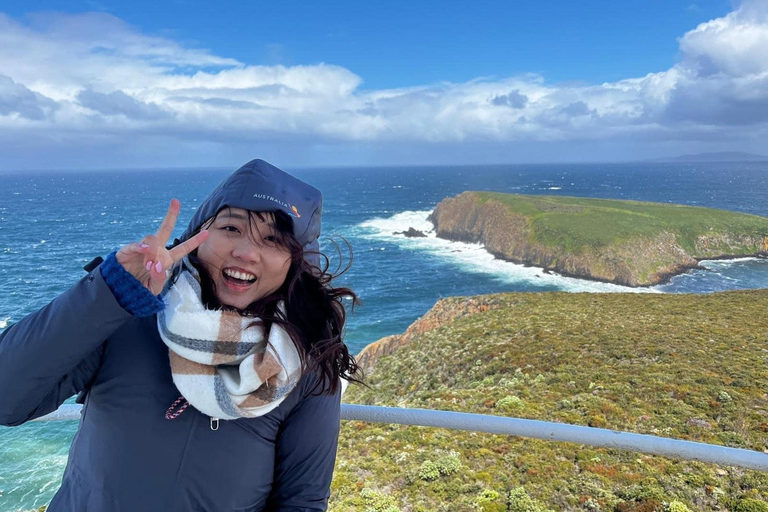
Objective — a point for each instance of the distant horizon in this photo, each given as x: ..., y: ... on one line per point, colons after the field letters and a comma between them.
x: 753, y: 158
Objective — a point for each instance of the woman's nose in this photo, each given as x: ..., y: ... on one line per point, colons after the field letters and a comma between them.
x: 246, y: 250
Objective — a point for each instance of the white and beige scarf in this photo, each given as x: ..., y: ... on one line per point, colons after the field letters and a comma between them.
x: 222, y: 368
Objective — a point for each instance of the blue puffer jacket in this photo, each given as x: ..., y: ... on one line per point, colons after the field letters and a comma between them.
x: 126, y: 456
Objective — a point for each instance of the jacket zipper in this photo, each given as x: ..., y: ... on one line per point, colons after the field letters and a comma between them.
x: 214, y: 423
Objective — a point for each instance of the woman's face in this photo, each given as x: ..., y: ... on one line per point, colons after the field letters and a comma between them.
x: 242, y: 257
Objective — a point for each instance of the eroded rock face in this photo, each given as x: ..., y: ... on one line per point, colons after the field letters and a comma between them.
x: 712, y: 245
x: 442, y: 313
x: 642, y: 261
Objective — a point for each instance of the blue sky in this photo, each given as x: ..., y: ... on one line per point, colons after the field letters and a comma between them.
x: 397, y: 43
x: 88, y: 84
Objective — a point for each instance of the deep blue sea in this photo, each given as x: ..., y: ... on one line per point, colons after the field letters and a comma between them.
x: 51, y: 224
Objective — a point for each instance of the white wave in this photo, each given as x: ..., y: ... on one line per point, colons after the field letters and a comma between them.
x: 4, y: 322
x: 399, y: 222
x: 48, y: 484
x: 729, y: 262
x: 555, y: 188
x: 474, y: 257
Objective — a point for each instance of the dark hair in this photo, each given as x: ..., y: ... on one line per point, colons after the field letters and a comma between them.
x: 315, y: 313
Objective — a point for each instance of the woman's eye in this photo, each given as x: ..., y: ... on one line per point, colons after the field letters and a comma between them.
x: 270, y: 238
x: 231, y: 229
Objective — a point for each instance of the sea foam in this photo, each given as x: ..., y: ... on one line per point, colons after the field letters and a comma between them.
x: 474, y: 257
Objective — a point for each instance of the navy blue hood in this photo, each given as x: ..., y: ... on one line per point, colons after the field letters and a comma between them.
x: 261, y: 187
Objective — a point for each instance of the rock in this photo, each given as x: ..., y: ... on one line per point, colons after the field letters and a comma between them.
x: 442, y: 313
x: 411, y: 233
x: 695, y: 422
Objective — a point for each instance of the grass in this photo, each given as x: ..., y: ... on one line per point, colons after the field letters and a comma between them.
x: 682, y: 366
x: 575, y: 223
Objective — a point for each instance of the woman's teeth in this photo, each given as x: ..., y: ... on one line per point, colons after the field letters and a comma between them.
x: 243, y: 276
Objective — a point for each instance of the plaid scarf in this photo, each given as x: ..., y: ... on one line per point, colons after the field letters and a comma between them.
x: 222, y: 368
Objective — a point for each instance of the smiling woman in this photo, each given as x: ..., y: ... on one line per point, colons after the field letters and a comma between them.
x: 239, y: 318
x: 243, y: 257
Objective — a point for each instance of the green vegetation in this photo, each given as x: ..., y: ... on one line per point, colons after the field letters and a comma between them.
x: 683, y: 366
x: 578, y: 223
x: 626, y: 242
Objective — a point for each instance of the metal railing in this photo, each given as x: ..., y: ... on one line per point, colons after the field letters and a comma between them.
x: 549, y: 431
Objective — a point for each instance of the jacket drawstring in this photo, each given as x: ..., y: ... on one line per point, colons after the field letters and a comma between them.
x: 170, y: 414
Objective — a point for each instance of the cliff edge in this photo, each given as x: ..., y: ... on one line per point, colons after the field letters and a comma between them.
x: 442, y: 313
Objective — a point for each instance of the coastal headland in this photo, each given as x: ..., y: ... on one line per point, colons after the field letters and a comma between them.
x: 629, y: 243
x: 683, y: 366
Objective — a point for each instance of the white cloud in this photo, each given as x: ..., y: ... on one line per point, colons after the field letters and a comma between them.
x: 59, y: 54
x: 117, y: 103
x: 514, y: 99
x: 734, y: 45
x: 91, y: 78
x: 17, y: 101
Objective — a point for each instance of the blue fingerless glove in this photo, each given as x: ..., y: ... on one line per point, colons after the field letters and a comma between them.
x: 132, y: 296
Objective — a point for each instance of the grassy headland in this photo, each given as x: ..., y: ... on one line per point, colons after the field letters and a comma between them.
x: 691, y: 367
x: 625, y: 242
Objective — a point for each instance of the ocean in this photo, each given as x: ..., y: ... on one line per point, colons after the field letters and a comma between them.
x: 52, y: 223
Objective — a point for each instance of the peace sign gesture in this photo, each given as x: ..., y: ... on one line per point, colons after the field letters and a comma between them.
x: 148, y: 260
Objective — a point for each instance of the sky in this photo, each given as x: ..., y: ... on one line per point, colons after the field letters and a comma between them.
x: 88, y: 84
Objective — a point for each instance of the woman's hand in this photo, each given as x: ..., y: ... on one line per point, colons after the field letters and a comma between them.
x: 148, y: 260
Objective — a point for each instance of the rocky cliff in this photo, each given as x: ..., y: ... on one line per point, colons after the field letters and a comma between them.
x: 442, y: 313
x: 623, y: 242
